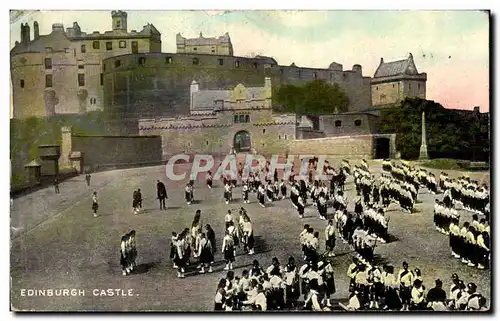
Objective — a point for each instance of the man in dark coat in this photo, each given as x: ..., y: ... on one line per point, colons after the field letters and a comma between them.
x: 437, y: 294
x: 162, y: 194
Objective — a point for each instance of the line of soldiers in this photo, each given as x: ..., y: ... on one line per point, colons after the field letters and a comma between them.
x: 379, y: 288
x: 392, y: 189
x: 444, y: 215
x: 277, y: 287
x: 473, y: 196
x: 471, y: 243
x: 428, y: 180
x: 128, y: 253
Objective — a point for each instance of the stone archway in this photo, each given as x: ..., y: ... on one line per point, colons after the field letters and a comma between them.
x: 242, y: 142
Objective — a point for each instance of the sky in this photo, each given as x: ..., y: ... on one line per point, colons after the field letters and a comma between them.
x: 452, y: 47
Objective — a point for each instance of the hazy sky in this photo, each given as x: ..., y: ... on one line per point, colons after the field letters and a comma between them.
x: 452, y: 47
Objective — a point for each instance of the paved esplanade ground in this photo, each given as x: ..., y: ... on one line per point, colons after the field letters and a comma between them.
x: 65, y: 247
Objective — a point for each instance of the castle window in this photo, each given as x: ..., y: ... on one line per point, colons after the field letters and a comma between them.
x: 221, y: 62
x: 237, y: 64
x: 264, y: 131
x: 418, y: 86
x: 102, y: 79
x: 213, y: 50
x: 409, y: 86
x: 195, y: 48
x: 236, y: 119
x: 103, y: 67
x: 241, y: 119
x: 392, y: 85
x: 168, y: 60
x: 247, y: 118
x: 357, y: 122
x: 122, y: 44
x: 142, y: 61
x: 315, y: 75
x: 48, y: 63
x: 376, y: 88
x: 135, y: 47
x: 281, y: 71
x: 22, y: 83
x: 48, y: 49
x: 285, y: 137
x: 83, y: 49
x: 81, y: 80
x: 117, y: 63
x: 338, y: 123
x: 96, y: 45
x: 255, y: 65
x: 196, y: 61
x: 109, y: 45
x: 81, y: 67
x: 299, y: 73
x: 279, y: 137
x: 48, y: 81
x: 206, y: 142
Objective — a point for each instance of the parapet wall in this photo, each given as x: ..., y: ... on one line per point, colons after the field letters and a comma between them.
x: 335, y: 147
x: 157, y: 84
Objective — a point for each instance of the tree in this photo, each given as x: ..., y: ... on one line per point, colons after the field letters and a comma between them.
x: 314, y: 98
x: 450, y: 134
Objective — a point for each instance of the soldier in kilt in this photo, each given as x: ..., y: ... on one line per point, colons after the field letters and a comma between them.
x: 205, y: 254
x: 228, y: 251
x: 123, y: 254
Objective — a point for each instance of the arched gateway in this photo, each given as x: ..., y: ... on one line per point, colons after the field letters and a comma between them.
x: 242, y: 142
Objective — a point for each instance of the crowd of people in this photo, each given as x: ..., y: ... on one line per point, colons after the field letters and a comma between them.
x: 380, y: 288
x: 372, y: 287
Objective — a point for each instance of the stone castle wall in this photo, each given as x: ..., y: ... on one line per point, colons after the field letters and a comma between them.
x: 335, y: 148
x: 111, y: 150
x: 216, y: 135
x: 157, y: 84
x: 350, y: 124
x: 393, y: 91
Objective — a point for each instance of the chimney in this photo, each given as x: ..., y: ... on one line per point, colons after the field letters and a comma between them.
x: 25, y: 33
x: 410, y: 56
x: 195, y: 87
x: 381, y: 60
x: 36, y: 31
x: 267, y: 82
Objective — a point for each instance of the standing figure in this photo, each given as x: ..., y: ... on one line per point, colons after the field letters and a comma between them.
x: 283, y: 189
x: 244, y: 193
x: 248, y: 235
x: 95, y: 204
x: 261, y: 195
x: 228, y: 250
x: 209, y: 179
x: 87, y: 178
x: 227, y: 192
x: 292, y: 286
x: 330, y: 238
x: 173, y: 249
x: 123, y: 254
x: 300, y: 206
x: 205, y: 253
x: 406, y: 280
x: 56, y: 185
x: 211, y: 237
x: 188, y: 194
x: 162, y: 194
x: 133, y: 250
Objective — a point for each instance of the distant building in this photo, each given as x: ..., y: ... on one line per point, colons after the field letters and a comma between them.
x: 62, y: 72
x: 394, y: 81
x: 220, y: 46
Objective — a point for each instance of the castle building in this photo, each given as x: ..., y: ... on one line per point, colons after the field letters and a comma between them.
x: 394, y: 81
x: 241, y: 117
x: 62, y: 72
x: 220, y: 46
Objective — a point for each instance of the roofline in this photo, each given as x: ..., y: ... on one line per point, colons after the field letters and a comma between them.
x: 379, y: 80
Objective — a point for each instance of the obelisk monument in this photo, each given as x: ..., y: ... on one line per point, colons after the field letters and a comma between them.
x: 423, y: 146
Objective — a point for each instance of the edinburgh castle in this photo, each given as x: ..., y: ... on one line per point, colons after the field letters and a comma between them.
x: 125, y: 73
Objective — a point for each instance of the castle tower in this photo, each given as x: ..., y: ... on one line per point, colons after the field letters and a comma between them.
x: 36, y: 31
x: 25, y: 33
x: 119, y: 20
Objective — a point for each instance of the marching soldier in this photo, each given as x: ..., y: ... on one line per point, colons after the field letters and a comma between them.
x: 330, y: 238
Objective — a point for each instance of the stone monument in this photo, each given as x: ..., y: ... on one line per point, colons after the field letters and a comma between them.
x: 423, y: 146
